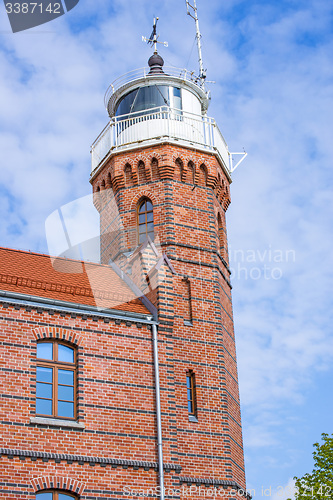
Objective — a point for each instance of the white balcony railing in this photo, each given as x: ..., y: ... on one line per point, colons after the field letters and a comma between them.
x: 159, y: 123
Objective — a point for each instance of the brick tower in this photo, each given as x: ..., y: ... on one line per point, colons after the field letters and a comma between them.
x: 119, y: 379
x: 165, y: 165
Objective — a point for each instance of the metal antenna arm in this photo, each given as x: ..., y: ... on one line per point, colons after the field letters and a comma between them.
x: 194, y: 14
x: 233, y: 167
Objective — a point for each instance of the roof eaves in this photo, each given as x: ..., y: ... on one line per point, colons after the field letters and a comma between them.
x: 13, y: 298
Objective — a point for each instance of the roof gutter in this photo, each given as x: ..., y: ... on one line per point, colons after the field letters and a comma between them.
x: 70, y: 307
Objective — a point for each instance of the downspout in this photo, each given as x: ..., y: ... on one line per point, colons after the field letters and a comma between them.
x: 158, y: 414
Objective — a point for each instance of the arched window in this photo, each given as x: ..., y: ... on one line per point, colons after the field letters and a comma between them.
x: 55, y: 381
x: 54, y: 495
x: 145, y: 220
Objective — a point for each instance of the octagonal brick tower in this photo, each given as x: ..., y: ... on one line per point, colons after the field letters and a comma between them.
x: 167, y: 166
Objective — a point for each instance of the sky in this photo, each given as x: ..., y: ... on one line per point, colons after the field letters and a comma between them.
x: 272, y: 67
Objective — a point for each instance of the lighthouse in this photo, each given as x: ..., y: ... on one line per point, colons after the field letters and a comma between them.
x: 166, y: 165
x: 119, y: 377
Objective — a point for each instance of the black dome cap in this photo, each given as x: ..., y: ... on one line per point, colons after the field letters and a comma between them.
x: 155, y: 63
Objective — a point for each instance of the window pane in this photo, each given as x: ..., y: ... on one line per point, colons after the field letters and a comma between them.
x: 65, y: 409
x: 142, y: 207
x: 65, y: 377
x: 62, y: 496
x: 150, y: 227
x: 149, y: 206
x: 143, y: 99
x: 65, y: 393
x: 150, y: 217
x: 44, y: 390
x: 176, y: 91
x: 142, y: 238
x: 43, y: 407
x: 44, y: 496
x: 142, y: 218
x: 44, y: 374
x: 45, y: 350
x: 65, y: 354
x: 190, y: 407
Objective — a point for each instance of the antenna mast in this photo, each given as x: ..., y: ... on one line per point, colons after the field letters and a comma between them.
x: 192, y: 11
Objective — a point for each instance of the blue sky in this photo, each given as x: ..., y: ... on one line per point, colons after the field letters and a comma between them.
x: 272, y: 64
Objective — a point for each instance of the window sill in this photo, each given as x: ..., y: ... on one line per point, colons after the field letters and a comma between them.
x: 192, y: 418
x: 188, y: 323
x: 56, y: 422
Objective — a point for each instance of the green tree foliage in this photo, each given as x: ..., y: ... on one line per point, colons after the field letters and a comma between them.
x: 319, y: 484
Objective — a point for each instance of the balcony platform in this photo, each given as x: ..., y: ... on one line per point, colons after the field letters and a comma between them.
x: 157, y: 125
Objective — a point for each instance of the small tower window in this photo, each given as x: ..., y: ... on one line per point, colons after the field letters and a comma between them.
x: 191, y: 394
x: 145, y: 221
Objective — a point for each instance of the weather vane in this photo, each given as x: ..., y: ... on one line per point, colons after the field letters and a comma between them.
x: 153, y: 39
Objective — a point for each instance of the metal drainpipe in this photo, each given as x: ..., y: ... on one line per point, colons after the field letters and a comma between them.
x: 158, y: 414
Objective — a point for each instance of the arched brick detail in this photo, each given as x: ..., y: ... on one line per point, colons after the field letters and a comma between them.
x: 179, y: 157
x: 46, y: 332
x: 191, y: 173
x: 141, y: 168
x: 150, y: 157
x: 202, y: 175
x: 185, y: 158
x: 179, y: 169
x: 57, y: 483
x: 109, y: 180
x: 143, y: 194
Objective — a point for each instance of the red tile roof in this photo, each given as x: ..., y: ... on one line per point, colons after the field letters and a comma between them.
x: 65, y: 279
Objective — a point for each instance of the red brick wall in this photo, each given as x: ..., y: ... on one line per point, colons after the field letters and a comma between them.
x: 186, y: 226
x: 116, y: 451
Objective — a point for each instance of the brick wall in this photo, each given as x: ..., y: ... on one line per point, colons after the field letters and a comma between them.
x: 190, y: 193
x: 112, y: 450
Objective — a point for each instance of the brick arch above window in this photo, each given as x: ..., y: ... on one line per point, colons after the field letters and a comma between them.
x: 65, y: 483
x: 55, y: 333
x: 141, y: 196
